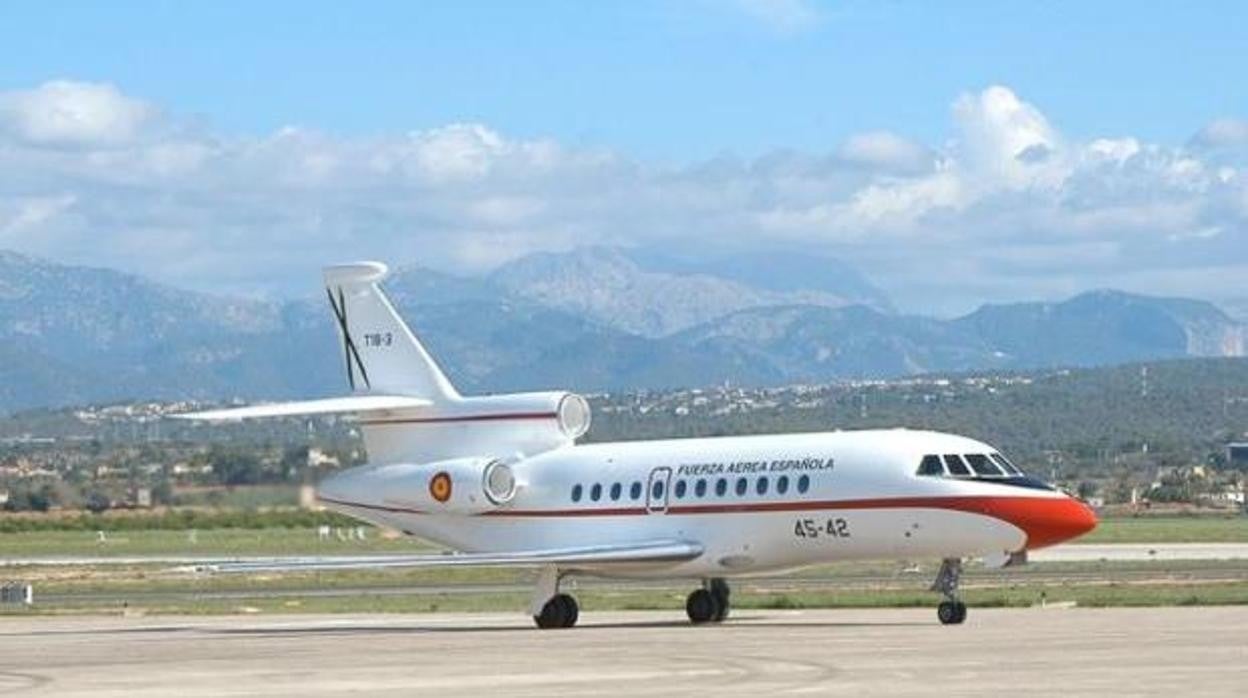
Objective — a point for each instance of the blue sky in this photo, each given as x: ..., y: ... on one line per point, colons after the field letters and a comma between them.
x: 663, y: 79
x: 958, y: 153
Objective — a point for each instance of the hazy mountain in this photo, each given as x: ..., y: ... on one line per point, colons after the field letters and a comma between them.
x: 1104, y: 327
x: 1237, y: 308
x: 608, y: 285
x: 80, y: 333
x: 816, y: 343
x: 72, y: 334
x: 784, y: 272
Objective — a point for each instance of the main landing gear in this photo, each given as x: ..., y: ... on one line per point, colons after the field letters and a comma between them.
x: 550, y: 607
x: 951, y: 611
x: 560, y: 612
x: 710, y: 604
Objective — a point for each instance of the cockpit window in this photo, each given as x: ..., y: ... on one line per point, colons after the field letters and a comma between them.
x: 955, y: 465
x: 982, y: 466
x: 931, y: 466
x: 1006, y: 465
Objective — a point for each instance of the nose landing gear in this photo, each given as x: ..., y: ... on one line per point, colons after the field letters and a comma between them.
x: 951, y: 611
x: 710, y: 604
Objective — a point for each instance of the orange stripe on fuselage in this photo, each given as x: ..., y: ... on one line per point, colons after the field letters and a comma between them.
x: 1045, y: 520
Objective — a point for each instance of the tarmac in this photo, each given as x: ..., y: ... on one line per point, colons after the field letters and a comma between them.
x: 1067, y: 651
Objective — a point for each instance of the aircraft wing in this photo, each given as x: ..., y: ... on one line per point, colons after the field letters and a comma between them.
x: 631, y: 553
x: 334, y: 405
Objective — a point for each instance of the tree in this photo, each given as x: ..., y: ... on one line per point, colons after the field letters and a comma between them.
x: 1087, y: 489
x: 234, y: 467
x: 98, y: 502
x: 162, y: 492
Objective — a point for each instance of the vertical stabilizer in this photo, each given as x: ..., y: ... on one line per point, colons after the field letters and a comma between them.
x: 380, y: 352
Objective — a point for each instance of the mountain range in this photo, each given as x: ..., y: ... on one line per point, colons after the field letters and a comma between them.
x: 590, y: 319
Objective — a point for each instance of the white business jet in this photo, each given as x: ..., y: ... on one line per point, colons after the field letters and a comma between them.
x: 501, y: 480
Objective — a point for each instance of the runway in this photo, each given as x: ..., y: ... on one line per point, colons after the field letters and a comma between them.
x: 1154, y: 651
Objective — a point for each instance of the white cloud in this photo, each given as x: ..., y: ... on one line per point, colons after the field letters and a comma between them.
x: 886, y: 150
x: 1222, y: 133
x: 1008, y: 207
x: 784, y: 16
x: 70, y: 113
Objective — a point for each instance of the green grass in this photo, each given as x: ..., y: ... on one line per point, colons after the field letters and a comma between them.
x: 250, y: 497
x: 1170, y: 529
x: 207, y: 543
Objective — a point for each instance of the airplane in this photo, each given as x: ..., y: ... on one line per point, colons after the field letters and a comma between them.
x: 501, y: 480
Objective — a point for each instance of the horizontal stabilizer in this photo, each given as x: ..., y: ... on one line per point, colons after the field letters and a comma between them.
x: 335, y: 405
x: 646, y: 552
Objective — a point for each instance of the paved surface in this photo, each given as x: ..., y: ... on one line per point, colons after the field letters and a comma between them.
x: 1164, y: 652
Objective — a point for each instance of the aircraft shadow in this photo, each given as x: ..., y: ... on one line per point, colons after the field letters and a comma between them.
x: 502, y: 629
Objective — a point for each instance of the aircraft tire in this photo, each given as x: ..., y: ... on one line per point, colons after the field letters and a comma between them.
x: 553, y: 614
x: 701, y: 606
x: 571, y: 610
x: 951, y: 612
x: 722, y: 594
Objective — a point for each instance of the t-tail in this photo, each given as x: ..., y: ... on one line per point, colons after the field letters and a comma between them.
x: 408, y: 410
x: 381, y: 354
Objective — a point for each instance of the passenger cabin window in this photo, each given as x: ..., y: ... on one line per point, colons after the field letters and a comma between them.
x: 721, y: 487
x: 634, y: 492
x: 700, y: 488
x: 982, y: 466
x: 656, y: 492
x: 803, y: 484
x: 595, y: 492
x: 931, y: 466
x: 955, y: 465
x: 616, y: 490
x: 742, y: 486
x: 761, y: 487
x: 577, y: 490
x: 782, y: 484
x: 680, y: 489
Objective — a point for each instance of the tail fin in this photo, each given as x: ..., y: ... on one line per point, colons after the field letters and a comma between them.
x: 381, y: 353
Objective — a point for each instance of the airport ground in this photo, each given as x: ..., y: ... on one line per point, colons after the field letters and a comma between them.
x: 896, y: 652
x: 1126, y: 563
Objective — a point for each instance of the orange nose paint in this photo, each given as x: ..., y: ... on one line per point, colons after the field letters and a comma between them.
x: 1045, y: 521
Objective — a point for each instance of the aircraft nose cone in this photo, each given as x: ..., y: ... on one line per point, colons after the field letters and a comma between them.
x: 1053, y: 521
x: 1045, y: 520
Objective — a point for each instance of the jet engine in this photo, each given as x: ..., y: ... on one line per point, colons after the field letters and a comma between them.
x: 511, y: 426
x: 456, y: 486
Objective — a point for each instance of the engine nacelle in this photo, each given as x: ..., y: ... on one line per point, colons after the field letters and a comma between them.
x: 511, y: 426
x: 456, y: 486
x: 468, y: 485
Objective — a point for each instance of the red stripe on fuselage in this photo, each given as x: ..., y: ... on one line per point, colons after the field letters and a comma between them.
x: 464, y: 418
x: 1045, y: 520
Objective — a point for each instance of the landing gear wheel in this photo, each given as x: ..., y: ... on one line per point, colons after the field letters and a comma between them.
x: 571, y: 611
x: 702, y: 606
x: 719, y: 589
x: 560, y: 612
x: 951, y: 612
